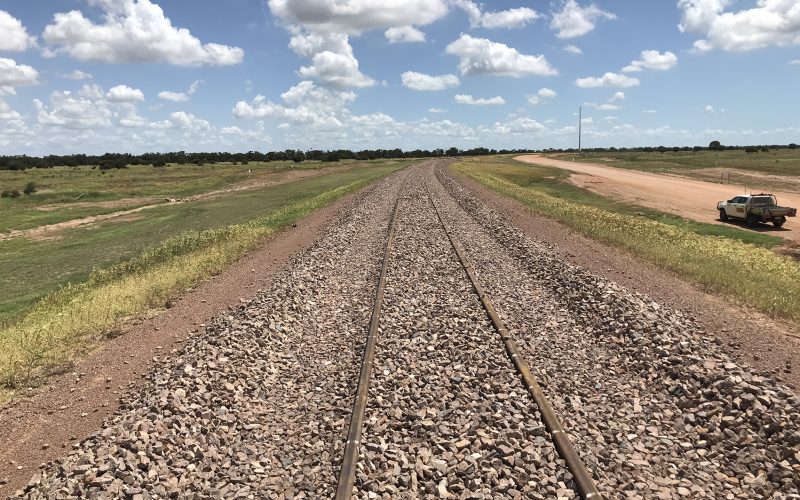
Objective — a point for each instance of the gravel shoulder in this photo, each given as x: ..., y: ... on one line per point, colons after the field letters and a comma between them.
x: 46, y: 423
x: 748, y: 336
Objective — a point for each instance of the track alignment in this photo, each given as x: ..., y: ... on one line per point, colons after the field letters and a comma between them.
x: 346, y: 480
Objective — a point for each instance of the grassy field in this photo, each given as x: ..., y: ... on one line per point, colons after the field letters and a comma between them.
x: 61, y: 294
x: 66, y: 193
x: 777, y: 170
x: 718, y: 257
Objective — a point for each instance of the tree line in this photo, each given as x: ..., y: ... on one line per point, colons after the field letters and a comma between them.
x: 122, y: 160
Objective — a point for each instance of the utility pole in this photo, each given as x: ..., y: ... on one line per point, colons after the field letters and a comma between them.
x: 580, y: 123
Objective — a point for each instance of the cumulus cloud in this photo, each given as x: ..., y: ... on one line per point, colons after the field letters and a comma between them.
x: 573, y: 20
x: 421, y: 81
x: 356, y: 16
x: 601, y: 106
x: 607, y: 80
x: 652, y: 59
x: 572, y: 49
x: 180, y: 96
x: 468, y: 99
x: 542, y: 94
x: 436, y: 110
x: 123, y: 93
x: 76, y: 75
x: 512, y: 18
x: 84, y: 109
x: 304, y: 104
x: 184, y: 120
x: 13, y: 75
x: 649, y: 111
x: 618, y: 96
x: 480, y: 56
x: 15, y: 37
x: 404, y: 34
x: 132, y: 31
x: 332, y: 59
x: 769, y: 23
x: 794, y: 61
x: 709, y: 108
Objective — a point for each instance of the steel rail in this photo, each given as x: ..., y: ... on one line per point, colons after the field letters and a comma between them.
x: 583, y: 478
x: 347, y: 473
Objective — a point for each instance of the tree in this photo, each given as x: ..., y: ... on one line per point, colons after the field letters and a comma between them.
x: 714, y: 145
x: 30, y: 188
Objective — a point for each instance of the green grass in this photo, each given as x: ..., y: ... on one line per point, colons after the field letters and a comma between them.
x: 724, y: 260
x: 64, y: 294
x: 76, y: 192
x: 777, y: 169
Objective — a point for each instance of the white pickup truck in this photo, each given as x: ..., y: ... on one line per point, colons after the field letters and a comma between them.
x: 755, y: 208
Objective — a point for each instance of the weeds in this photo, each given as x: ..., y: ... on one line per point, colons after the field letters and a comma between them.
x: 67, y: 321
x: 756, y: 276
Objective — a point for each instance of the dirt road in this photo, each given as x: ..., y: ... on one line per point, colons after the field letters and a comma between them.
x: 688, y: 198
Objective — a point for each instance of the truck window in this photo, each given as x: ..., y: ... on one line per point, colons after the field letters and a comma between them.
x: 762, y: 200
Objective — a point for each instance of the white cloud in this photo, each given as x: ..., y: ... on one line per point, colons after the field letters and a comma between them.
x: 76, y: 75
x: 607, y: 80
x: 652, y: 59
x: 709, y: 108
x: 478, y: 56
x: 573, y: 49
x: 404, y: 34
x: 356, y: 16
x: 769, y: 23
x: 601, y: 106
x: 304, y: 104
x: 512, y: 18
x: 234, y: 130
x: 123, y: 93
x: 184, y: 120
x: 15, y: 37
x: 618, y: 96
x: 650, y: 111
x: 180, y: 96
x: 543, y: 93
x: 332, y: 59
x: 574, y: 21
x: 338, y: 70
x: 468, y: 99
x: 436, y: 110
x: 794, y: 61
x: 14, y: 75
x: 421, y: 81
x: 132, y: 31
x: 85, y: 109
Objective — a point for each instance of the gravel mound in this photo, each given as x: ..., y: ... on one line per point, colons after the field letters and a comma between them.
x: 258, y: 405
x: 652, y: 403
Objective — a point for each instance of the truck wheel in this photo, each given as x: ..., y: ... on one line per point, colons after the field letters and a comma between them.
x: 779, y: 222
x: 722, y: 215
x: 751, y: 221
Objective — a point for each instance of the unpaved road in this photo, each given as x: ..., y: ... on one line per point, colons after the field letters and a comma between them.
x: 51, y: 230
x: 687, y: 198
x: 257, y: 405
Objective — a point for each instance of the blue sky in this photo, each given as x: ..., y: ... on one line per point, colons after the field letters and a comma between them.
x: 159, y: 75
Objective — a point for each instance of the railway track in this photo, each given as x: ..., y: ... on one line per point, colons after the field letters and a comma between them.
x: 259, y: 404
x: 582, y: 477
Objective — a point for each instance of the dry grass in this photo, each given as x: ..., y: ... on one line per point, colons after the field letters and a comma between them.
x: 755, y: 276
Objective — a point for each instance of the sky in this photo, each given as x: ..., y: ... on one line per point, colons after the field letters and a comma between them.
x: 96, y: 76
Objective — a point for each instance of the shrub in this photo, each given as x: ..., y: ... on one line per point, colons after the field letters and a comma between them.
x: 30, y: 188
x: 10, y: 193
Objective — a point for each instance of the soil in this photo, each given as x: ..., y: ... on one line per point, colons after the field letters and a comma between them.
x: 689, y: 198
x: 47, y: 232
x: 751, y: 337
x: 44, y: 423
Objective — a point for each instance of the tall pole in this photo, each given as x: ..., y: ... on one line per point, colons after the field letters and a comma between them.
x: 580, y: 123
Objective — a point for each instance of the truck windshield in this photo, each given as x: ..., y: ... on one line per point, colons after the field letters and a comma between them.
x: 764, y: 200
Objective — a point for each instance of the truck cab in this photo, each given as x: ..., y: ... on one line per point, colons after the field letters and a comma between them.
x: 755, y: 208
